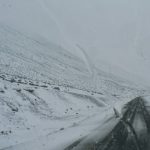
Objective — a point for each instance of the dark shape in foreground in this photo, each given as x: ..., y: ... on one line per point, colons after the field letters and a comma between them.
x: 124, y: 136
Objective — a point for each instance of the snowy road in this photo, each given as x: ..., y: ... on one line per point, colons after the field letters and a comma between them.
x: 131, y: 133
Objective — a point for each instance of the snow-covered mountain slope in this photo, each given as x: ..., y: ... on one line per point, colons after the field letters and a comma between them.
x: 47, y: 93
x: 24, y: 57
x: 113, y: 32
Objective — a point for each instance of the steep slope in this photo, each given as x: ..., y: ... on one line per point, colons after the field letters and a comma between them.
x: 116, y: 33
x: 23, y: 56
x: 47, y: 93
x: 42, y: 61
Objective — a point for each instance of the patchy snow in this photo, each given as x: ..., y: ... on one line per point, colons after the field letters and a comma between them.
x: 48, y: 97
x: 114, y: 35
x: 33, y: 115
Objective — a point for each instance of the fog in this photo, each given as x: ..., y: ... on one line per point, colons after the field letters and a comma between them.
x: 115, y: 33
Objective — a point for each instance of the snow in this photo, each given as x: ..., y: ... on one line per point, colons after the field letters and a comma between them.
x: 113, y: 34
x: 40, y: 110
x: 34, y: 129
x: 64, y: 69
x: 40, y: 105
x: 48, y: 114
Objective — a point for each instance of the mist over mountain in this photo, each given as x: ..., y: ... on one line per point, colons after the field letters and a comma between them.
x: 68, y: 68
x: 114, y: 32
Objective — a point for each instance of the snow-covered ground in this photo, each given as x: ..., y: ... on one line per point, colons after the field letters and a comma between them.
x: 48, y: 98
x: 51, y: 117
x: 60, y: 76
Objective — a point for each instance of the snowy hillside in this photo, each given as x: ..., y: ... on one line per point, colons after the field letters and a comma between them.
x: 60, y: 70
x: 26, y: 58
x: 48, y: 93
x: 113, y: 33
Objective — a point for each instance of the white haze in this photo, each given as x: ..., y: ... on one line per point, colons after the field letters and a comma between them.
x: 115, y: 34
